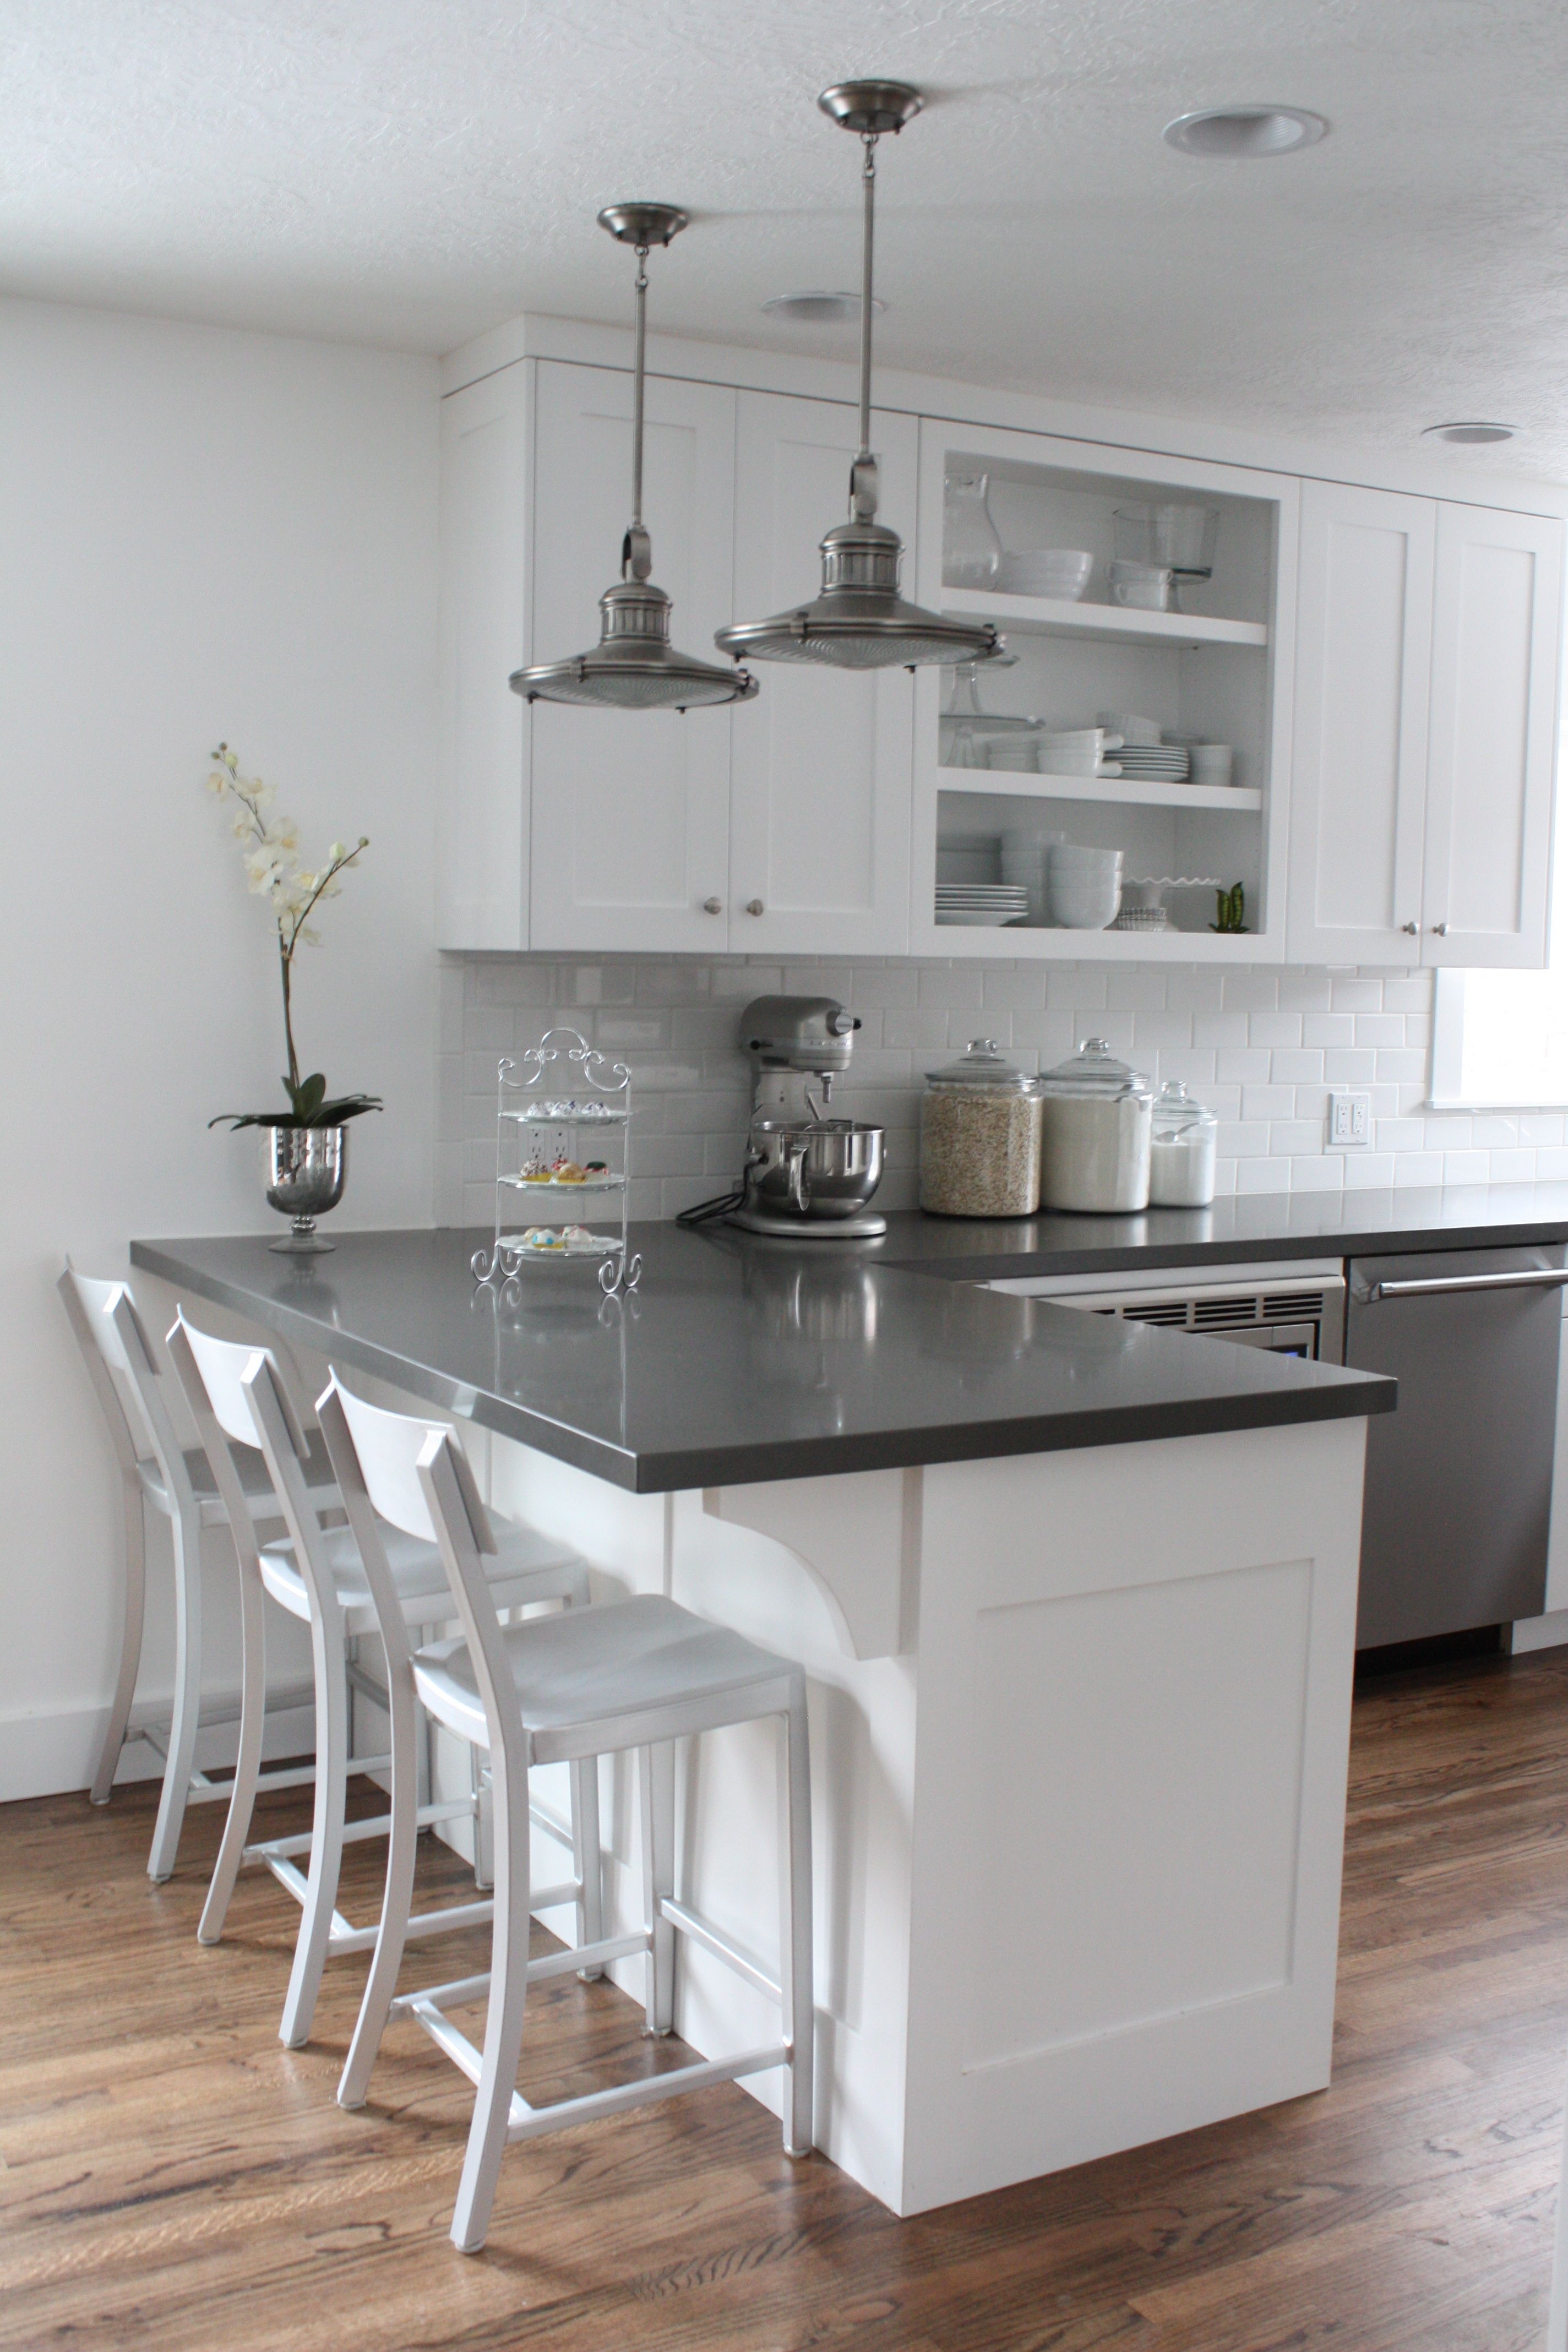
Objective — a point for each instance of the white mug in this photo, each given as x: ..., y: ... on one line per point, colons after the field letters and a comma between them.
x: 1211, y: 763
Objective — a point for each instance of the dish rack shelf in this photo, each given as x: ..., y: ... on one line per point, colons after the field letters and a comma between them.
x: 1117, y: 789
x: 1114, y: 623
x: 541, y: 1111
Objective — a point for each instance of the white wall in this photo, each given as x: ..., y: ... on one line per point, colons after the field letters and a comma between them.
x: 204, y: 534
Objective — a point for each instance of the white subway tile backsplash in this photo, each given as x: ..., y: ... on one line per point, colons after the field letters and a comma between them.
x: 1328, y: 1030
x: 1325, y: 1173
x: 1259, y: 1047
x: 1274, y: 1030
x: 1467, y: 1167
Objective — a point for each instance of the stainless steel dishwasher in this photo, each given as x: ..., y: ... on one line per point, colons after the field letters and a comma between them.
x: 1459, y: 1480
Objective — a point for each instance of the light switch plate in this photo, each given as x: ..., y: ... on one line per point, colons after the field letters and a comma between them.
x: 1350, y: 1121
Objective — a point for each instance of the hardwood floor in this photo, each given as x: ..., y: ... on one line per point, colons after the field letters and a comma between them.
x: 173, y: 2178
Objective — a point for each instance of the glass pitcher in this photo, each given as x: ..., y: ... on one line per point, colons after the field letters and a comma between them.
x: 972, y: 549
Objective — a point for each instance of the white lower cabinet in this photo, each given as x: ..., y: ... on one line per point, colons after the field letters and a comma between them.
x: 819, y: 807
x: 1425, y: 716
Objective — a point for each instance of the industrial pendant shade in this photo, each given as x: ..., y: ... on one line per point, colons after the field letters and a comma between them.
x: 634, y: 666
x: 860, y: 621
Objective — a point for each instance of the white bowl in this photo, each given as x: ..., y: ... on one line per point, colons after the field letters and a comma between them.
x: 1083, y: 917
x: 1045, y: 571
x: 1067, y: 859
x: 1130, y: 728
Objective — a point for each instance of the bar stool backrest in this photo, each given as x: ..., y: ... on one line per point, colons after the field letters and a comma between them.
x: 416, y: 1473
x: 128, y: 1379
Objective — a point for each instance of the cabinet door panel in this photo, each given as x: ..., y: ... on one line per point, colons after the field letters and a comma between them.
x: 821, y: 800
x: 630, y: 809
x: 482, y: 880
x: 1495, y: 656
x: 1359, y: 768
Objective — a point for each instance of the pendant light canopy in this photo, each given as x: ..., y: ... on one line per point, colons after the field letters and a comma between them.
x: 860, y: 621
x: 634, y: 666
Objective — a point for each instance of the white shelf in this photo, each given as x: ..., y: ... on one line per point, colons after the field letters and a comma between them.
x: 1114, y: 791
x: 610, y: 1183
x: 547, y: 1112
x: 1059, y: 617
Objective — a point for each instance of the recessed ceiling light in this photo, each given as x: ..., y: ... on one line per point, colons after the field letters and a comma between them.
x: 821, y: 309
x: 1245, y: 130
x: 1469, y: 430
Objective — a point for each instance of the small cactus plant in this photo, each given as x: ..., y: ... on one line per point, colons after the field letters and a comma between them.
x: 1230, y: 909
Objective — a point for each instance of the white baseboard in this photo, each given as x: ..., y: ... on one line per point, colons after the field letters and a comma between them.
x: 1548, y: 1632
x: 47, y: 1753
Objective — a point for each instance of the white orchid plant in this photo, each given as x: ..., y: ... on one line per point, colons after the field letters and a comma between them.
x: 270, y: 846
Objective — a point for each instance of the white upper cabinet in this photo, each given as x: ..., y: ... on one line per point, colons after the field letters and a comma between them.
x: 819, y: 812
x: 1425, y: 717
x: 1496, y: 637
x: 630, y: 809
x: 483, y: 838
x: 1363, y: 661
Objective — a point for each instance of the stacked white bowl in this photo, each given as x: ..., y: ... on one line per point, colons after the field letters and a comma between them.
x: 1083, y: 888
x: 1025, y: 850
x: 1045, y: 571
x: 1075, y: 750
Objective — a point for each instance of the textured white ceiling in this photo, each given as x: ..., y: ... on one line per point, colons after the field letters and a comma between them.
x: 409, y: 172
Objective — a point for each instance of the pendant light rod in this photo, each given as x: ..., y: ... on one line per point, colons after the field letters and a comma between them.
x: 638, y: 386
x: 869, y: 183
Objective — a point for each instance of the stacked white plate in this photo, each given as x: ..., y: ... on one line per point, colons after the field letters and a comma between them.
x: 982, y: 902
x: 1155, y: 763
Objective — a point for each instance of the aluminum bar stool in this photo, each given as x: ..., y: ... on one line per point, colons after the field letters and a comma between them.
x: 155, y: 1469
x: 241, y: 1405
x: 637, y: 1674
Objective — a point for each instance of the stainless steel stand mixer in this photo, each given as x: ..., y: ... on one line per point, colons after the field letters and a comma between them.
x: 807, y: 1176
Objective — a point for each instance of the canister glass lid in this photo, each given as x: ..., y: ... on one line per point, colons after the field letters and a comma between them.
x: 983, y: 1063
x: 1094, y: 1070
x: 1176, y: 1112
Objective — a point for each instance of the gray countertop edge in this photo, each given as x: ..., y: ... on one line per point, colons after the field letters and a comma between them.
x: 991, y: 1265
x: 1348, y: 1395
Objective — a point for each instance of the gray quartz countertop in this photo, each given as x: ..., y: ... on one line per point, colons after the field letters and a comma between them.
x: 1235, y: 1231
x: 741, y: 1358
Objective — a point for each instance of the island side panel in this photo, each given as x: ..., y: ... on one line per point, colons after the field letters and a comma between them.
x: 1134, y: 1714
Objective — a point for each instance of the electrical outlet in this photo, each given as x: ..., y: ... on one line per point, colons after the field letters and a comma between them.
x: 1350, y: 1121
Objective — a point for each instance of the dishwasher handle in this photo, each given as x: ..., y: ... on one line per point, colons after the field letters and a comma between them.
x: 1544, y: 1277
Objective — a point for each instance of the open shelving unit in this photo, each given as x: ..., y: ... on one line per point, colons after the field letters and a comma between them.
x: 1210, y: 675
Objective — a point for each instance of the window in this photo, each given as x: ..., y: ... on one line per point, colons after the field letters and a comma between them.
x: 1500, y: 1039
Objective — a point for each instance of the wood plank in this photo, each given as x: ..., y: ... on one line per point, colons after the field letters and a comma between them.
x: 173, y: 2178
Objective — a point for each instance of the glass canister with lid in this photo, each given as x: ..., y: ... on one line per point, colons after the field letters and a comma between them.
x: 1095, y: 1133
x: 980, y: 1137
x: 1181, y: 1150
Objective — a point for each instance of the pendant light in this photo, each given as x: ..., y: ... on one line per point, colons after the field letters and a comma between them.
x: 860, y: 621
x: 634, y: 666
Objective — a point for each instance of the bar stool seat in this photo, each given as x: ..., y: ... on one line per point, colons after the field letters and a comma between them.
x: 582, y: 1671
x: 260, y: 1500
x: 417, y: 1572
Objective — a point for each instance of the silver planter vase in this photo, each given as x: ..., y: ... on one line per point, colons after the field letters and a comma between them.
x: 306, y: 1167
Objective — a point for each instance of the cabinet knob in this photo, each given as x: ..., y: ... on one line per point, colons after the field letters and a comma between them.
x: 754, y: 907
x: 1412, y: 928
x: 1441, y: 929
x: 712, y: 905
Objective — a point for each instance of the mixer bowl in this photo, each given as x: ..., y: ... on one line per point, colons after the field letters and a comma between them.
x: 813, y: 1169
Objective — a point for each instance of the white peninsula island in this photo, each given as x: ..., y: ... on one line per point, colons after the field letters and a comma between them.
x: 1077, y: 1603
